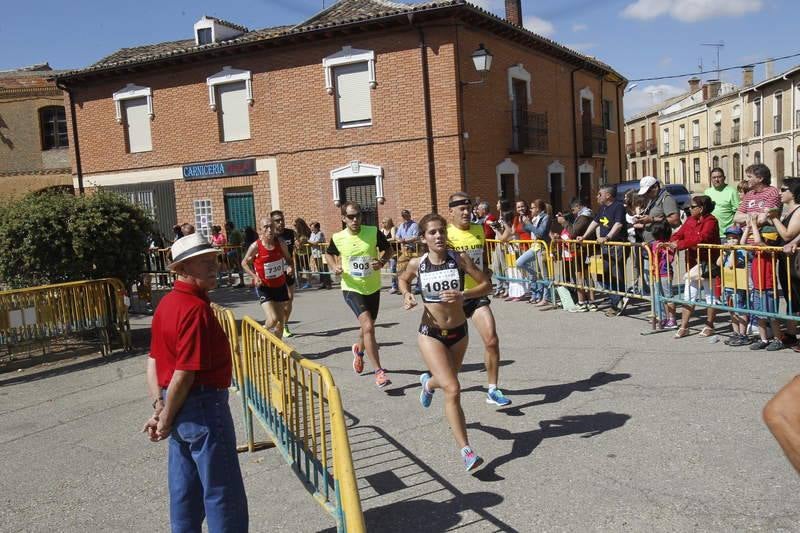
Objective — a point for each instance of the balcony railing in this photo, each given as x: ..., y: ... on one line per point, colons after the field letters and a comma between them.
x: 682, y: 145
x: 666, y: 148
x: 735, y: 135
x: 594, y: 141
x: 629, y: 148
x: 695, y: 143
x: 651, y: 145
x: 529, y: 131
x: 640, y: 146
x: 777, y: 124
x: 717, y: 137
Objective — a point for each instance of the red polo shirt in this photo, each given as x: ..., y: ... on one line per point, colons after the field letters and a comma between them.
x: 185, y: 335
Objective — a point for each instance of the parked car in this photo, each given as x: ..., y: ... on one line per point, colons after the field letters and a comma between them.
x: 679, y: 192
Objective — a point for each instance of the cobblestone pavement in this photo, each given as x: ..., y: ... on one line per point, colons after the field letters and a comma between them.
x: 609, y: 430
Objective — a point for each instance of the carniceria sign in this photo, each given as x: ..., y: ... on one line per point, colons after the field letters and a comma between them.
x: 219, y: 169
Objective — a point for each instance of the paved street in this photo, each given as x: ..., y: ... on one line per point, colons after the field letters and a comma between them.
x: 609, y: 430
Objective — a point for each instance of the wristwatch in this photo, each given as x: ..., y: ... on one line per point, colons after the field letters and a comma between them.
x: 155, y: 402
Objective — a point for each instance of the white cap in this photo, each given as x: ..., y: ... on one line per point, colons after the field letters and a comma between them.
x: 190, y: 246
x: 646, y: 183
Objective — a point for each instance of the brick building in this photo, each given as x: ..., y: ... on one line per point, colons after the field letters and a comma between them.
x: 369, y: 100
x: 33, y: 135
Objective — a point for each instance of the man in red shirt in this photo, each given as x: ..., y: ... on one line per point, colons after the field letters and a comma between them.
x: 486, y: 218
x: 188, y: 374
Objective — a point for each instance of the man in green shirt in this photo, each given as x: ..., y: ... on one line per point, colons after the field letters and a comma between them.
x: 357, y: 254
x: 725, y: 198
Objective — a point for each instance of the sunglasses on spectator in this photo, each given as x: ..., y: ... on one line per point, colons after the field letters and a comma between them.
x: 693, y: 206
x: 784, y: 189
x: 353, y: 216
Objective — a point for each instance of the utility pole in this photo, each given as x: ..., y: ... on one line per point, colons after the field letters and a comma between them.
x: 718, y: 45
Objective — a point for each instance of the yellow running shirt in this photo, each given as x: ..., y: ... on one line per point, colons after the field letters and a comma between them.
x: 358, y: 252
x: 471, y: 242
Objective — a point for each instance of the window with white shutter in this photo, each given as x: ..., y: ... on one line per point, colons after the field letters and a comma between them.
x: 137, y: 124
x: 234, y: 116
x: 353, y: 99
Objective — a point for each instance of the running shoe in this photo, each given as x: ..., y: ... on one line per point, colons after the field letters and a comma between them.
x: 358, y: 359
x: 471, y: 459
x: 287, y: 333
x: 306, y: 286
x: 592, y: 306
x: 381, y: 379
x: 760, y: 345
x: 669, y: 324
x: 495, y: 396
x: 580, y: 308
x: 425, y: 397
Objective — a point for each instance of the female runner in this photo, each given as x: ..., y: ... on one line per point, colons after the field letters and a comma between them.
x: 268, y: 255
x: 443, y: 331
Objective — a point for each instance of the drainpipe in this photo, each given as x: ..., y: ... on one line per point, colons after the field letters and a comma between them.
x: 461, y: 133
x: 74, y: 120
x: 791, y: 118
x: 621, y: 133
x: 574, y: 128
x: 423, y: 57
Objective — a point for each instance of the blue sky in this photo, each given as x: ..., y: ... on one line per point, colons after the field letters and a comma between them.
x: 639, y: 38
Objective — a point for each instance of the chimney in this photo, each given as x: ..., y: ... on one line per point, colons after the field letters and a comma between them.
x: 747, y: 76
x: 769, y: 68
x: 714, y: 87
x: 694, y: 84
x: 514, y: 12
x: 705, y: 92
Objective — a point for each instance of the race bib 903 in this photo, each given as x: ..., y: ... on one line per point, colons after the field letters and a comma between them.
x: 360, y: 266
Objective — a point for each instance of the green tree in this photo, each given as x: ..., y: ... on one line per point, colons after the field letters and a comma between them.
x: 56, y: 237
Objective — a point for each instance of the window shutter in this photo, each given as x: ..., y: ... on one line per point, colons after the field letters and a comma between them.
x: 234, y: 112
x: 353, y: 93
x: 137, y: 118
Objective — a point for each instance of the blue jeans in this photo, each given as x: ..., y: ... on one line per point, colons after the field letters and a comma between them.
x: 393, y: 270
x: 204, y: 476
x: 614, y: 267
x: 532, y: 261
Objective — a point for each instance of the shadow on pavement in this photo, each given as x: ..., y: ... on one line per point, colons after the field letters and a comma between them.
x: 342, y: 349
x: 556, y: 393
x: 401, y: 493
x: 339, y: 331
x: 524, y: 442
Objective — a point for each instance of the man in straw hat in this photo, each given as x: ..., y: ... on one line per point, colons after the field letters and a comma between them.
x: 188, y: 374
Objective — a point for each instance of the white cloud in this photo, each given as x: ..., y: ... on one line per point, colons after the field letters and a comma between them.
x: 579, y: 27
x: 581, y: 47
x: 641, y: 98
x: 536, y: 25
x: 690, y: 10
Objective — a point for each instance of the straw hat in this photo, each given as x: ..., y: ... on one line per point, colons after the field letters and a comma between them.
x: 190, y: 246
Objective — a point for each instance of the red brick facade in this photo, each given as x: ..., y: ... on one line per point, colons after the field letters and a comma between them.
x: 293, y: 121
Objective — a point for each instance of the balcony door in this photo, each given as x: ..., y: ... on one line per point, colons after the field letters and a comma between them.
x: 519, y: 116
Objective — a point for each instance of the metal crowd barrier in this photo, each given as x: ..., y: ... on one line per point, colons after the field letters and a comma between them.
x: 746, y: 280
x: 299, y: 406
x: 50, y: 311
x: 610, y: 268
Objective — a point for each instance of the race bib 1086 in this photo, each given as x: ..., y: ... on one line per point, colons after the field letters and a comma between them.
x: 433, y: 283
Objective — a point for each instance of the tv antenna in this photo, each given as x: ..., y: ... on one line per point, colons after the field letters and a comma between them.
x: 718, y: 45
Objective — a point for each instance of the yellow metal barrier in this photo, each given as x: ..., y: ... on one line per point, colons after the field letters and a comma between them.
x: 618, y: 268
x: 298, y: 404
x: 50, y: 311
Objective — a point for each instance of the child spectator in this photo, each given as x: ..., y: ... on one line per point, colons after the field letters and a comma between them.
x: 762, y: 297
x: 735, y: 284
x: 663, y: 257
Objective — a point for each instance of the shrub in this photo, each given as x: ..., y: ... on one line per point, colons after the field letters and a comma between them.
x: 56, y: 237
